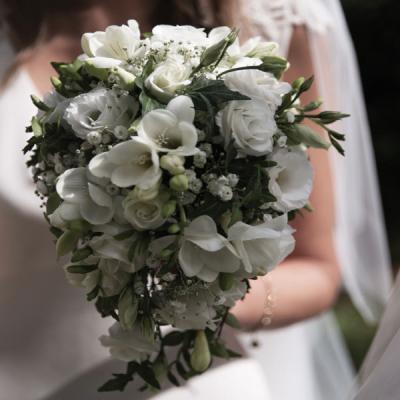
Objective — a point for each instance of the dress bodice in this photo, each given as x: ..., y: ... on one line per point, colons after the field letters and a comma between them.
x: 48, y: 332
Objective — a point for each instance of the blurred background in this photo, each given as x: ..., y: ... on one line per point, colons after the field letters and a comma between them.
x: 374, y: 26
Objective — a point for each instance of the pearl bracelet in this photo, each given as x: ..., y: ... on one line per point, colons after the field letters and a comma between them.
x: 266, y: 318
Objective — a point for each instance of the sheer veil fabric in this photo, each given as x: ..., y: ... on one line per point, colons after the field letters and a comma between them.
x: 307, y: 360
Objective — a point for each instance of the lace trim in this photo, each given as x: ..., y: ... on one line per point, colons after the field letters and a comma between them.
x: 275, y: 19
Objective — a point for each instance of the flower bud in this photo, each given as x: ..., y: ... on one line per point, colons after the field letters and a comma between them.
x: 226, y: 281
x: 214, y: 52
x: 297, y: 83
x: 168, y: 208
x: 173, y: 164
x: 97, y: 72
x: 200, y: 358
x: 180, y: 183
x: 173, y: 229
x: 125, y: 79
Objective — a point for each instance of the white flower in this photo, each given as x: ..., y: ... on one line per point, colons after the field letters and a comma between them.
x: 256, y: 47
x: 117, y: 45
x: 184, y: 34
x: 204, y: 252
x: 129, y: 345
x: 257, y: 84
x: 262, y: 247
x: 144, y: 214
x: 87, y: 281
x: 114, y: 276
x: 226, y: 193
x: 229, y: 297
x: 100, y: 109
x: 83, y: 196
x: 134, y: 162
x: 167, y: 78
x: 195, y: 185
x: 291, y: 180
x: 171, y: 130
x: 192, y: 309
x: 250, y: 124
x: 58, y: 104
x: 200, y: 159
x: 233, y: 180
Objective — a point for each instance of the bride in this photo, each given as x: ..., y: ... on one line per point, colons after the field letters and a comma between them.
x: 47, y: 349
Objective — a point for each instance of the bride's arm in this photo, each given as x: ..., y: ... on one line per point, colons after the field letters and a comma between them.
x: 307, y: 282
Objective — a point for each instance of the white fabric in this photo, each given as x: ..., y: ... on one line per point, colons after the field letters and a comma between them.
x: 379, y: 376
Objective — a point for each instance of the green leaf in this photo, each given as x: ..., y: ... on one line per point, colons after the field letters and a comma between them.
x: 93, y: 294
x: 81, y: 254
x: 172, y: 378
x: 53, y: 201
x: 106, y: 305
x: 173, y: 338
x: 148, y: 103
x: 67, y: 242
x: 306, y: 135
x: 148, y: 375
x: 218, y: 349
x: 81, y: 269
x: 232, y: 321
x: 117, y: 383
x: 39, y: 103
x: 181, y: 370
x: 125, y: 235
x: 79, y: 225
x: 36, y: 127
x: 214, y: 90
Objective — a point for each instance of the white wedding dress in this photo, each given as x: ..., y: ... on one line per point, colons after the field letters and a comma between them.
x: 48, y: 332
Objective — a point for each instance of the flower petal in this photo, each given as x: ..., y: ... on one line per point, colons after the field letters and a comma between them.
x: 95, y: 214
x: 101, y: 165
x: 72, y: 185
x: 183, y: 108
x: 99, y: 196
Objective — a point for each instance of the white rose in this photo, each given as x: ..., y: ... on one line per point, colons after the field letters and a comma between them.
x: 129, y: 345
x: 250, y: 124
x: 116, y: 46
x: 257, y: 84
x: 144, y: 214
x: 291, y: 180
x: 134, y: 162
x: 204, y: 252
x: 100, y: 109
x: 83, y: 197
x: 171, y: 130
x: 262, y: 247
x: 167, y: 78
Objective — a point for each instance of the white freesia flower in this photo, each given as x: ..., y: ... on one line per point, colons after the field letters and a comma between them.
x: 185, y: 34
x: 107, y: 247
x: 250, y: 124
x: 117, y: 45
x: 258, y: 48
x: 291, y: 180
x: 100, y: 109
x: 58, y: 105
x: 129, y: 345
x: 262, y: 247
x: 171, y: 130
x: 257, y: 84
x: 144, y: 214
x: 167, y: 78
x: 82, y: 194
x: 204, y: 252
x: 134, y: 162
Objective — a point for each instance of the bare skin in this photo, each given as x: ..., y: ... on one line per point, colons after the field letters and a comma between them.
x: 305, y: 284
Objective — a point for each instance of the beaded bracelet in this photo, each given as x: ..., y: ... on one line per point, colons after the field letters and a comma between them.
x: 266, y: 318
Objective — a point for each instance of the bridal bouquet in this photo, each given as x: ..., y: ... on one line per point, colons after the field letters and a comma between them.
x: 169, y: 165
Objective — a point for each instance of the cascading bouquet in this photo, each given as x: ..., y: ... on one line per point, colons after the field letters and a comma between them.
x: 169, y: 166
